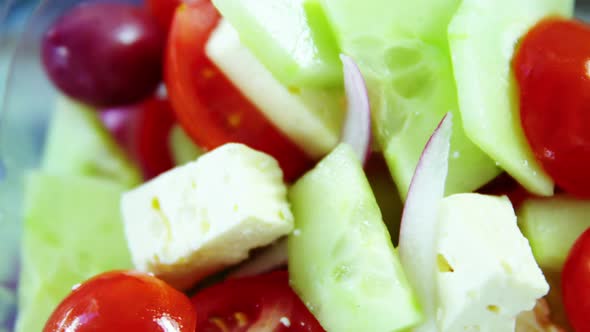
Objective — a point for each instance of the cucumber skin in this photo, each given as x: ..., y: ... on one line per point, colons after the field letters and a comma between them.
x: 341, y: 259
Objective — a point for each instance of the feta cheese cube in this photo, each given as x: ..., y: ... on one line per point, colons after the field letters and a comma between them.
x: 199, y: 218
x: 486, y: 273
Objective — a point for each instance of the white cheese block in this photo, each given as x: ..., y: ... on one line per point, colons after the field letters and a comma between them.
x: 309, y: 118
x: 486, y: 273
x: 199, y: 218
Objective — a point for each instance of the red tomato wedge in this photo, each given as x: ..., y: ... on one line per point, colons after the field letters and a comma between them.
x: 163, y: 11
x: 575, y: 282
x: 552, y: 68
x: 261, y: 303
x: 123, y: 301
x: 143, y: 130
x: 211, y: 110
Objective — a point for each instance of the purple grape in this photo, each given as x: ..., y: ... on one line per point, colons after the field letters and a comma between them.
x: 104, y: 54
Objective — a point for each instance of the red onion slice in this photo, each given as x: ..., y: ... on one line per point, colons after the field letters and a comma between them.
x: 420, y: 220
x: 357, y: 125
x: 270, y: 259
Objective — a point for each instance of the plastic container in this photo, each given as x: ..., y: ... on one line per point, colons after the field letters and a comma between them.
x: 26, y: 100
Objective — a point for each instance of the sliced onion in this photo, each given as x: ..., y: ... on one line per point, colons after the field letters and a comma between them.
x: 357, y: 126
x: 269, y: 259
x: 420, y: 220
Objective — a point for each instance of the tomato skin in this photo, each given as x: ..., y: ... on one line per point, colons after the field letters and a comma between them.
x: 553, y: 73
x: 259, y: 303
x: 163, y: 11
x: 123, y: 301
x: 210, y: 109
x: 575, y: 283
x: 143, y: 131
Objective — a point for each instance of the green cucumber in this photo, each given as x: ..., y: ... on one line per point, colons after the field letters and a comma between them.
x: 402, y: 51
x: 278, y: 33
x: 72, y: 231
x: 79, y: 144
x: 341, y: 259
x: 183, y: 149
x: 552, y: 225
x: 483, y: 35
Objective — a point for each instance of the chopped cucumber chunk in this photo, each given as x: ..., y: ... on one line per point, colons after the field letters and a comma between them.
x: 402, y: 50
x: 341, y: 260
x: 79, y: 144
x: 552, y: 225
x: 483, y: 35
x: 278, y: 33
x: 72, y: 231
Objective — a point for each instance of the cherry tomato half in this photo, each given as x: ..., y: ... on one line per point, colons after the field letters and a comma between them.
x: 143, y: 130
x: 123, y: 301
x: 163, y: 11
x: 552, y: 68
x: 211, y: 110
x: 575, y: 282
x: 261, y: 303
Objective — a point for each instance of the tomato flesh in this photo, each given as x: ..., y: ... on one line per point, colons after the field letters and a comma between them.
x: 210, y: 109
x: 575, y: 282
x: 143, y: 130
x: 261, y: 303
x: 163, y: 11
x: 552, y: 67
x: 123, y: 301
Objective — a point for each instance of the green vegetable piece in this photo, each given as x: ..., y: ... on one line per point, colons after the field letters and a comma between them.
x: 483, y: 35
x: 552, y: 225
x: 401, y: 47
x: 79, y: 144
x: 278, y: 33
x: 72, y: 231
x: 341, y: 260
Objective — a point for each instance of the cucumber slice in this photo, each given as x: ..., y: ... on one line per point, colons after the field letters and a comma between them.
x: 401, y: 49
x: 78, y: 144
x: 183, y: 148
x: 552, y: 225
x: 72, y: 231
x: 278, y: 33
x: 483, y: 35
x: 341, y: 260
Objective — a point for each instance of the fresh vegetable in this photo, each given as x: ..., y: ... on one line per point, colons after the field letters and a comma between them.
x: 262, y: 303
x: 402, y: 50
x: 72, y: 231
x: 552, y: 225
x: 576, y: 284
x: 144, y: 130
x: 341, y: 260
x: 207, y: 215
x: 104, y: 54
x: 552, y: 74
x: 310, y: 117
x: 123, y: 301
x: 163, y: 11
x: 420, y: 221
x: 271, y: 258
x: 211, y: 110
x: 357, y: 126
x: 78, y: 144
x: 483, y: 36
x: 278, y: 33
x: 183, y: 149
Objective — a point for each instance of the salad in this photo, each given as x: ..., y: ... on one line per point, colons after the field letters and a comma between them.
x: 312, y: 165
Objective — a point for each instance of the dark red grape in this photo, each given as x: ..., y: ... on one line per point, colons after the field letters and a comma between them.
x: 105, y: 54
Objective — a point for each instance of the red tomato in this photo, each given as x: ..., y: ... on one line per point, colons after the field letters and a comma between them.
x: 575, y: 282
x: 552, y: 68
x: 261, y: 303
x: 123, y: 301
x: 163, y: 11
x: 143, y: 130
x: 211, y: 110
